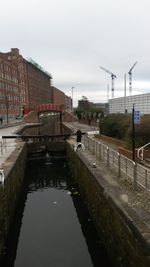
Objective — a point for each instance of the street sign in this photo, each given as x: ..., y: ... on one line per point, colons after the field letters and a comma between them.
x: 136, y: 117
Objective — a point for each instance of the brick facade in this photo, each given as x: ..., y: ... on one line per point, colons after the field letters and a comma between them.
x: 39, y: 86
x: 13, y: 84
x: 24, y: 85
x: 58, y: 97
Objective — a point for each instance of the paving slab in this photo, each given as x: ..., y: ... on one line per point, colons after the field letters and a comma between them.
x: 7, y: 146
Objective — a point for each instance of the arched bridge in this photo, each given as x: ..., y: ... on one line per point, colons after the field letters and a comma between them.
x: 50, y: 107
x: 50, y: 113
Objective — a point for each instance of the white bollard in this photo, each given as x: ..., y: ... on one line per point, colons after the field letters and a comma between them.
x: 77, y: 145
x: 2, y: 176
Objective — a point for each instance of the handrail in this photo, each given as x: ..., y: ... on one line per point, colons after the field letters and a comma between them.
x: 141, y: 150
x: 138, y: 174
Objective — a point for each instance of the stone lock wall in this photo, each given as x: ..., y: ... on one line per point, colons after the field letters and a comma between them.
x: 9, y: 193
x: 125, y: 244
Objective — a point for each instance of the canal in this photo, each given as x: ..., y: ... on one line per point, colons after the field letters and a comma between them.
x: 52, y: 226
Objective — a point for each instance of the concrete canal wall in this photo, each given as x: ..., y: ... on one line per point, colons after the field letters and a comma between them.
x: 126, y: 235
x: 14, y: 168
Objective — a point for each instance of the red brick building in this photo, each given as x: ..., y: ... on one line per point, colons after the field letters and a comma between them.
x: 24, y: 84
x: 58, y: 97
x: 39, y: 85
x: 13, y: 84
x: 68, y: 103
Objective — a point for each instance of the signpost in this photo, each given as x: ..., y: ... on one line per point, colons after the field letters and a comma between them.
x: 136, y: 117
x: 135, y: 120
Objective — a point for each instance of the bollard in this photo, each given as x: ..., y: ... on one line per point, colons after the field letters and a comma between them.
x: 77, y: 145
x: 2, y: 176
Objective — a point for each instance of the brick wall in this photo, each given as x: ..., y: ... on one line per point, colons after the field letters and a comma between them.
x: 67, y: 116
x: 58, y: 97
x: 31, y: 117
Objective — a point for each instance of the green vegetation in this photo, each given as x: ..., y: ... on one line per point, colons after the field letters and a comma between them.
x: 120, y: 126
x: 115, y: 125
x: 90, y: 114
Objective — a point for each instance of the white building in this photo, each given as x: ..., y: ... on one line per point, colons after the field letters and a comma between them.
x: 125, y: 104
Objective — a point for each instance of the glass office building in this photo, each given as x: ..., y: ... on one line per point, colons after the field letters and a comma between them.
x: 125, y: 104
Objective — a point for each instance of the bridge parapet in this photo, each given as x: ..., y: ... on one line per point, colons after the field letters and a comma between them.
x: 50, y: 107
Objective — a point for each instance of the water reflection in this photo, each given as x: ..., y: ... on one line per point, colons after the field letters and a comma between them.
x: 53, y: 226
x: 46, y: 176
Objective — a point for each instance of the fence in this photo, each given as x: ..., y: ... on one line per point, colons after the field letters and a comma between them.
x: 138, y: 174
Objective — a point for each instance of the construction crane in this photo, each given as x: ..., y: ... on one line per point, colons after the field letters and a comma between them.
x: 130, y: 78
x: 112, y: 79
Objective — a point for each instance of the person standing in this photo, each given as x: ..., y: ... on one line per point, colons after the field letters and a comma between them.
x: 79, y: 136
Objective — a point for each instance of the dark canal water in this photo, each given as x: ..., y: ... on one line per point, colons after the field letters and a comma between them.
x: 52, y: 226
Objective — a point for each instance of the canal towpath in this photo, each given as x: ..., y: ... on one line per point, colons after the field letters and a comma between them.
x: 9, y: 145
x: 89, y: 129
x: 139, y: 200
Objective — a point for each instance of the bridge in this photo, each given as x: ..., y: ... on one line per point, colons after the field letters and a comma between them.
x: 47, y: 112
x: 50, y: 107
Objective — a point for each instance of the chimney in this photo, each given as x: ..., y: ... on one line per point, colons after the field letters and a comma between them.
x: 15, y: 51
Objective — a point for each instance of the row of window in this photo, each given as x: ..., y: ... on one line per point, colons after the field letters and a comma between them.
x: 8, y: 77
x: 8, y: 87
x: 9, y: 97
x: 23, y: 99
x: 8, y: 68
x: 12, y: 106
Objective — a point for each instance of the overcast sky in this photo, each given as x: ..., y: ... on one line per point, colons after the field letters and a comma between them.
x: 72, y: 38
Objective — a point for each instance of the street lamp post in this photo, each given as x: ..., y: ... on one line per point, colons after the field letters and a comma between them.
x: 72, y: 97
x: 7, y: 107
x: 133, y: 135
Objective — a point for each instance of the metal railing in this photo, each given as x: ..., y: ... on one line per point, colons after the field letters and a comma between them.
x: 123, y: 167
x: 140, y: 152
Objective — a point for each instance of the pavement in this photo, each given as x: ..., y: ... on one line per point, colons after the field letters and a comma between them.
x: 74, y: 126
x: 89, y: 129
x: 140, y: 199
x: 7, y: 146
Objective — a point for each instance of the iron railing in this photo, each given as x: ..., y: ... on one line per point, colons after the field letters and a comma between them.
x: 140, y: 152
x: 124, y: 167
